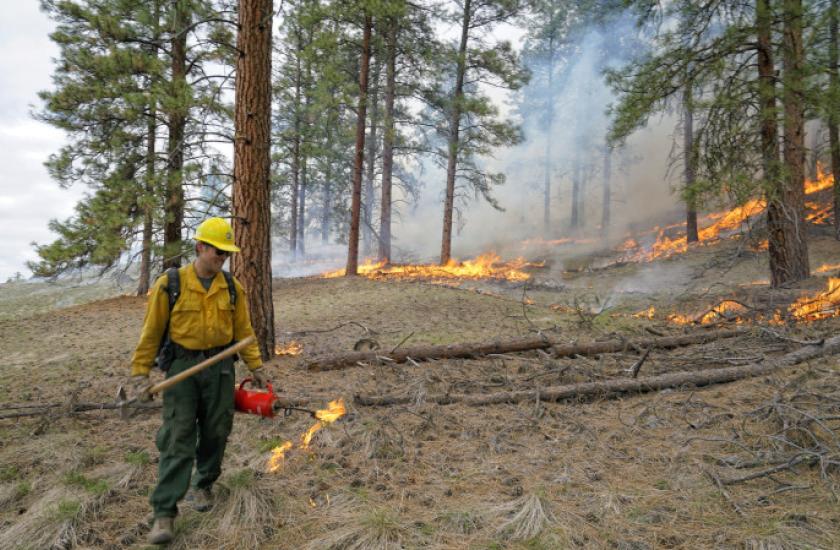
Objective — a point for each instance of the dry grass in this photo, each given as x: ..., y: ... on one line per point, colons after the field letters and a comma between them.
x: 349, y: 524
x: 523, y: 518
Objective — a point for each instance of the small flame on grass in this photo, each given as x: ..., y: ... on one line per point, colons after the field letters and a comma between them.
x: 334, y: 411
x: 646, y: 313
x: 825, y: 268
x: 824, y: 181
x: 278, y: 456
x: 822, y: 305
x: 292, y: 348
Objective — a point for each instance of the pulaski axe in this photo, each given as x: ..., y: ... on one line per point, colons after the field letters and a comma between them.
x: 128, y: 406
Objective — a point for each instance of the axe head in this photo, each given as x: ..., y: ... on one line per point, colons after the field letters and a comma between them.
x: 124, y: 403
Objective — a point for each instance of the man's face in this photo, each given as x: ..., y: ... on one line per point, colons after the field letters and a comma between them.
x: 212, y: 259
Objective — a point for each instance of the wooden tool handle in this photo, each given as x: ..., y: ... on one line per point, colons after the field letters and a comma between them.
x: 224, y: 354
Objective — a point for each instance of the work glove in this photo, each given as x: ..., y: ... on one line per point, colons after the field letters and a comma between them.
x: 260, y: 379
x: 137, y: 386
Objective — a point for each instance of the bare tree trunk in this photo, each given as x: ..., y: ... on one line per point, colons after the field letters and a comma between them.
x: 549, y: 127
x: 301, y: 217
x: 833, y: 116
x: 576, y: 190
x: 326, y: 214
x: 388, y: 142
x: 361, y: 116
x: 252, y: 167
x: 788, y: 247
x: 293, y: 222
x: 174, y: 208
x: 475, y: 349
x: 688, y: 153
x: 454, y: 129
x: 605, y: 207
x: 148, y: 206
x: 370, y: 165
x: 603, y: 389
x: 143, y: 283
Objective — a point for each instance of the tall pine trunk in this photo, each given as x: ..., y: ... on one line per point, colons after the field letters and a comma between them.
x: 293, y: 222
x: 688, y: 152
x: 788, y: 249
x: 370, y: 165
x: 549, y: 116
x: 454, y: 129
x: 252, y: 167
x: 833, y: 115
x: 388, y: 136
x: 576, y: 191
x: 301, y: 217
x: 361, y: 116
x: 144, y: 281
x: 326, y: 213
x: 148, y: 205
x: 174, y: 206
x: 607, y: 197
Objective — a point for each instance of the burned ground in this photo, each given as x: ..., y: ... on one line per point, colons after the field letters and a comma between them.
x: 658, y: 470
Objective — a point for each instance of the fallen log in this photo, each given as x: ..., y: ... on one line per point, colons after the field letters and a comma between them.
x: 610, y: 388
x: 60, y: 409
x: 463, y: 351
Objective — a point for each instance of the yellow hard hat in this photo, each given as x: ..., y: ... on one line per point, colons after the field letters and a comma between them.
x: 216, y: 232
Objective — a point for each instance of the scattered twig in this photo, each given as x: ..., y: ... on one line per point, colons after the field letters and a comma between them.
x: 716, y: 480
x: 634, y: 370
x: 404, y: 340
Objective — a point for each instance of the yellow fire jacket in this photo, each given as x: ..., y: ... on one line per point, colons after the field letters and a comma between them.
x: 201, y: 319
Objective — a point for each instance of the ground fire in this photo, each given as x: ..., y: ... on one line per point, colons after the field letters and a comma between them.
x: 819, y: 306
x: 335, y: 410
x: 671, y: 240
x: 485, y: 266
x: 290, y: 349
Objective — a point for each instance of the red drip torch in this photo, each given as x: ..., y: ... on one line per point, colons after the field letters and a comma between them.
x: 262, y: 403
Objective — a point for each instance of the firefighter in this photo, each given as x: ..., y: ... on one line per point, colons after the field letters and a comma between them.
x: 209, y: 311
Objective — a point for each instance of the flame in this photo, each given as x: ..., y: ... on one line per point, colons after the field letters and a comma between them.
x: 817, y: 213
x: 485, y: 266
x: 278, y: 456
x: 646, y: 313
x: 822, y: 305
x: 824, y: 181
x: 716, y: 225
x: 825, y: 268
x: 292, y: 348
x: 335, y: 410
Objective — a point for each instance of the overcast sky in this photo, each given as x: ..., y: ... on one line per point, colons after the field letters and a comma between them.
x: 28, y: 197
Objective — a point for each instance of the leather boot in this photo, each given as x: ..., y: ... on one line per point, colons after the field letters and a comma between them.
x: 201, y: 500
x: 161, y: 532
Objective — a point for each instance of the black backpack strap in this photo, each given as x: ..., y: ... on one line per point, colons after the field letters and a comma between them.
x: 173, y: 286
x: 231, y: 287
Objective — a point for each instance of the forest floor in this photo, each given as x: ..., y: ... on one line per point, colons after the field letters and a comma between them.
x: 658, y: 470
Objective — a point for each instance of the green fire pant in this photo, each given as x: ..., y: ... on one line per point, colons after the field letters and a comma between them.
x: 197, y: 420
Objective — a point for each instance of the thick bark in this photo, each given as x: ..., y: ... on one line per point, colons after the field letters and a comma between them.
x: 610, y: 388
x: 688, y: 153
x: 607, y: 198
x: 388, y: 136
x: 833, y: 115
x: 454, y: 131
x: 177, y: 120
x: 252, y: 167
x: 370, y: 166
x: 361, y: 117
x: 461, y: 351
x: 788, y: 247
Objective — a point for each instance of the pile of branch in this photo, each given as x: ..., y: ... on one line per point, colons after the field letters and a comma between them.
x: 464, y: 351
x: 610, y: 388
